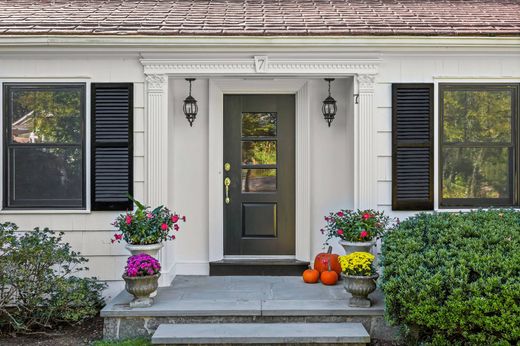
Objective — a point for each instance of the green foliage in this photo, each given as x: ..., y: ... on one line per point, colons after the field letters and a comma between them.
x: 454, y: 278
x: 38, y: 288
x: 127, y: 342
x: 474, y: 119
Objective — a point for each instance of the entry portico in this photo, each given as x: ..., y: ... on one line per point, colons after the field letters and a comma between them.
x: 273, y: 74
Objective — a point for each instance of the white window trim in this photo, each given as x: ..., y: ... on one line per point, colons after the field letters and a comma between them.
x: 87, y: 210
x: 436, y: 124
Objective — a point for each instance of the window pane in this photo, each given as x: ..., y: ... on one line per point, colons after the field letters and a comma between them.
x: 258, y: 180
x: 43, y: 176
x: 259, y: 152
x: 476, y: 173
x: 258, y: 124
x: 48, y: 115
x: 477, y: 116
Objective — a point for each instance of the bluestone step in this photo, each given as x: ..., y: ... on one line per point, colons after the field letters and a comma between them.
x: 261, y: 333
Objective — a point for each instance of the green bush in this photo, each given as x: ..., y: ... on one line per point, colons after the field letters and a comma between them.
x: 454, y: 278
x: 38, y: 288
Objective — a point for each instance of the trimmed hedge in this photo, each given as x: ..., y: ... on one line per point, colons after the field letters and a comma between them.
x: 454, y: 278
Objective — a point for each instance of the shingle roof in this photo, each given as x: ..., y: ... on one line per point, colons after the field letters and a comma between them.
x: 260, y: 17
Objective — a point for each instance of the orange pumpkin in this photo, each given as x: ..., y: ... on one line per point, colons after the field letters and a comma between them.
x: 329, y: 277
x: 322, y: 260
x: 311, y: 276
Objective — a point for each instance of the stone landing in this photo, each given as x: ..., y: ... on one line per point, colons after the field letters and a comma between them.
x: 242, y: 299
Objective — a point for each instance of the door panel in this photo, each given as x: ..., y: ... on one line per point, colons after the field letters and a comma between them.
x: 260, y: 150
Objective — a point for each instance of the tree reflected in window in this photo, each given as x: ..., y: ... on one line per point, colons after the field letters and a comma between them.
x: 477, y: 148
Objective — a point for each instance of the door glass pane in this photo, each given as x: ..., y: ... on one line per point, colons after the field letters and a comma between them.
x: 477, y: 116
x: 39, y: 175
x: 476, y: 173
x: 46, y: 115
x: 258, y: 124
x: 259, y: 152
x: 258, y: 180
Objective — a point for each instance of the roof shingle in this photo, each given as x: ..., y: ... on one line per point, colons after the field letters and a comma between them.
x: 261, y: 17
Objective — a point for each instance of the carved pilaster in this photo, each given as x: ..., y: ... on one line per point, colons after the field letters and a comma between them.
x: 157, y: 134
x: 157, y: 158
x: 366, y: 182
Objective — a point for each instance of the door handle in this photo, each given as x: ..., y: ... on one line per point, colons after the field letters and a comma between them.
x: 227, y: 182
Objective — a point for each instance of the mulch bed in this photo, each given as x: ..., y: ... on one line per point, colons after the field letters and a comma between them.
x: 83, y: 334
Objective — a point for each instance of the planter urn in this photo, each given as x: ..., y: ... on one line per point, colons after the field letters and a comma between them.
x: 356, y: 246
x: 149, y: 249
x: 141, y: 287
x: 360, y: 287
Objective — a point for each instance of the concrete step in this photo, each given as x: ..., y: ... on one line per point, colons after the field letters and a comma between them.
x: 261, y: 333
x: 271, y: 267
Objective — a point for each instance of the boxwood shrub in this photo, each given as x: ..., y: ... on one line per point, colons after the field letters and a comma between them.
x: 41, y: 283
x: 454, y: 278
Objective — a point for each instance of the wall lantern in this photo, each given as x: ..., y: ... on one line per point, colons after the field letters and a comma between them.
x: 190, y: 107
x: 329, y: 107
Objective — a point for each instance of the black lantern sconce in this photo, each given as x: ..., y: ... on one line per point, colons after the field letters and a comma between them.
x: 329, y: 107
x: 190, y: 107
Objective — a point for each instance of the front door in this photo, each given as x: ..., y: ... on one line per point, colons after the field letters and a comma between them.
x: 259, y: 170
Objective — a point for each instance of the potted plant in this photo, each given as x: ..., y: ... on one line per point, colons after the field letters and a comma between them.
x: 141, y: 277
x: 357, y: 230
x: 145, y: 229
x: 360, y: 277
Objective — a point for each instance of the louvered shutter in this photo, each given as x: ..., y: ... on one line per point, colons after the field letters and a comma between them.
x: 412, y: 146
x: 112, y: 144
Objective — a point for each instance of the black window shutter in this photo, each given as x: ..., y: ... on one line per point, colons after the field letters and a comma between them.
x: 412, y: 146
x: 112, y: 146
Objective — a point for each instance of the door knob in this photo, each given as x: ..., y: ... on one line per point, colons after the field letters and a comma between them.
x: 227, y: 182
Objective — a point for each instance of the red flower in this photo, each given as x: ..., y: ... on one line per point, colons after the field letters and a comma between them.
x: 339, y: 232
x: 164, y: 226
x: 366, y: 216
x: 340, y: 214
x: 175, y: 218
x: 184, y: 218
x: 176, y: 227
x: 118, y: 236
x: 128, y: 219
x: 363, y: 234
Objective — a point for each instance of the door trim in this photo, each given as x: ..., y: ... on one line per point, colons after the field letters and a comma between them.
x: 217, y: 89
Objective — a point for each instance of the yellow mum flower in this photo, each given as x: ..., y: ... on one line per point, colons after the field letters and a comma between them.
x: 357, y: 263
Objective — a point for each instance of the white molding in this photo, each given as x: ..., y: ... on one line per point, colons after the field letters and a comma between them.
x: 217, y: 89
x: 303, y: 174
x: 272, y: 67
x: 157, y: 155
x: 365, y: 178
x: 335, y: 43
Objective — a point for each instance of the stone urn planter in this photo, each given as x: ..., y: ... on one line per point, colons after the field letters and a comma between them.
x: 149, y: 249
x: 141, y: 287
x: 356, y: 246
x: 360, y: 287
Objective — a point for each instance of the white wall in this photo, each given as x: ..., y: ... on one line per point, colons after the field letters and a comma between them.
x: 427, y: 68
x: 89, y: 233
x: 331, y: 148
x: 331, y: 165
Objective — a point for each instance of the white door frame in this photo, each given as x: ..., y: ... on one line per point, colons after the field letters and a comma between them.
x: 217, y: 89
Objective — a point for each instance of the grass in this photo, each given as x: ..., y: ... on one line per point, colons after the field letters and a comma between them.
x: 127, y: 342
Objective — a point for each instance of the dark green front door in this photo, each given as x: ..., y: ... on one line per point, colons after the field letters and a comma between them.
x: 259, y: 174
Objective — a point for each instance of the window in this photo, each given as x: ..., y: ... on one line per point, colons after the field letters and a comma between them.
x: 478, y: 145
x: 44, y: 141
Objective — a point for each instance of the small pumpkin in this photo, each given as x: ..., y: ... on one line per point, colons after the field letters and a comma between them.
x: 329, y: 277
x: 311, y: 276
x: 322, y: 260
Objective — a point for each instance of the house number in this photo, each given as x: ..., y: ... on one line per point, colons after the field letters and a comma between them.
x: 261, y: 64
